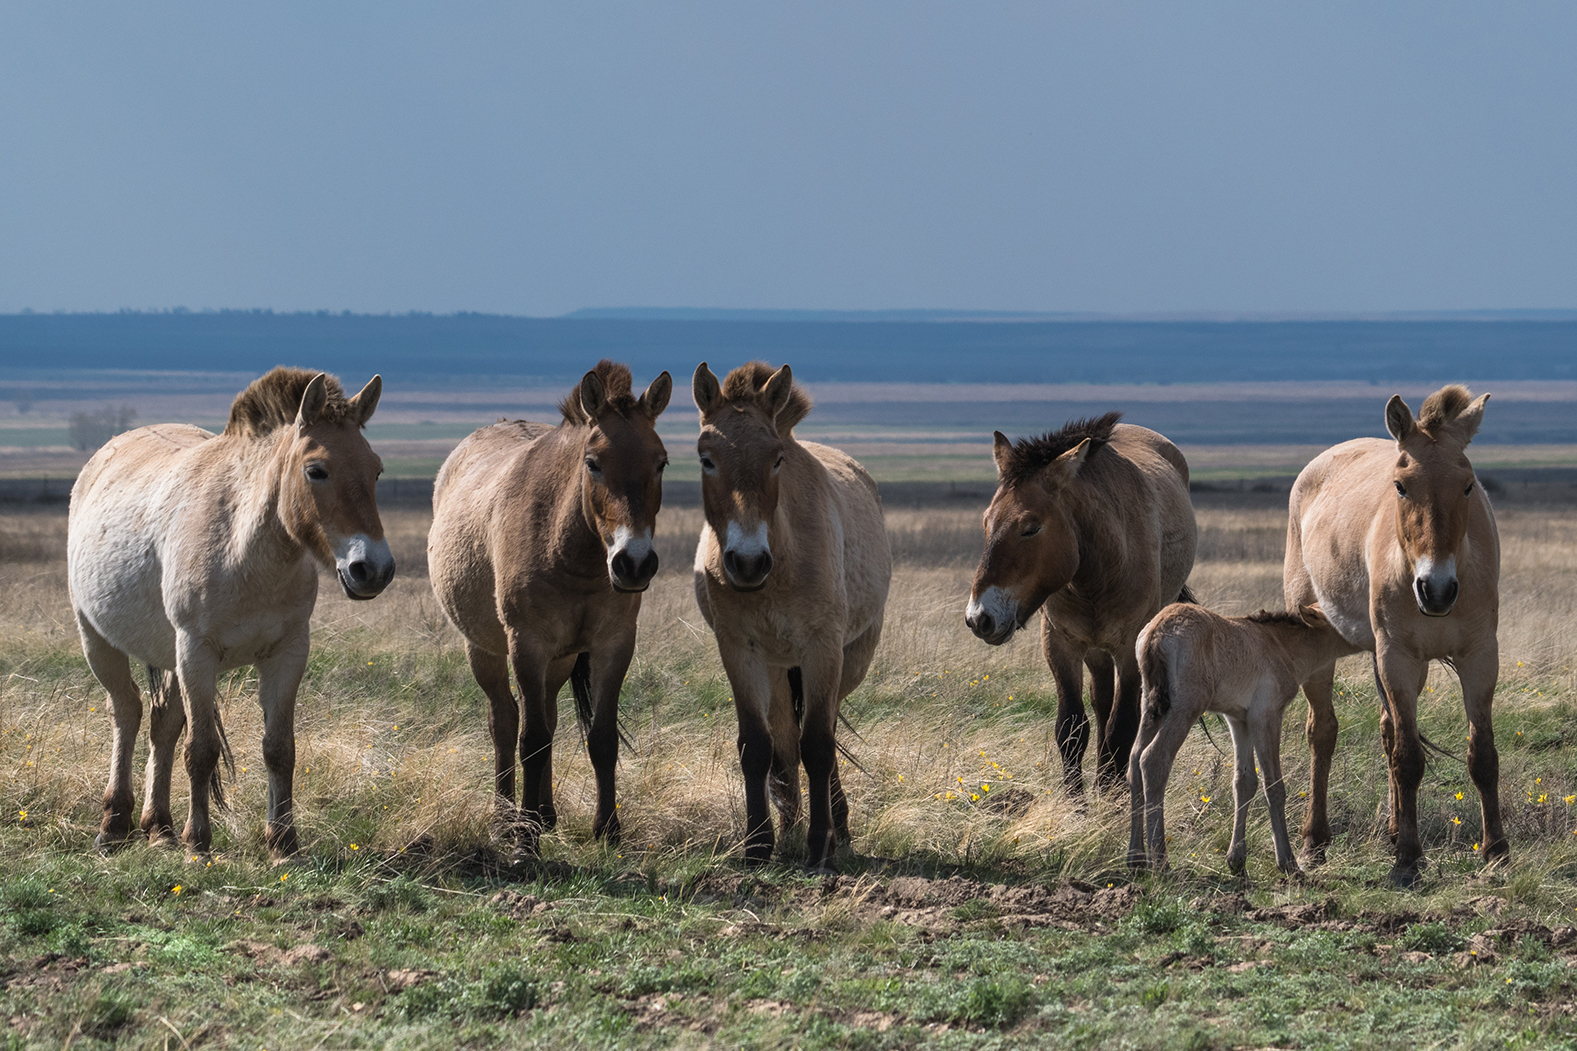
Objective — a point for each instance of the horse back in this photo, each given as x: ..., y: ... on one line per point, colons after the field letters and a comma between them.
x: 851, y: 494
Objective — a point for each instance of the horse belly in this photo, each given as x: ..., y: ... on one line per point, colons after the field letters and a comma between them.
x: 115, y: 585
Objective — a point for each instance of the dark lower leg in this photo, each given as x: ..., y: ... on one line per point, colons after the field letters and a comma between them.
x: 755, y: 762
x: 820, y: 755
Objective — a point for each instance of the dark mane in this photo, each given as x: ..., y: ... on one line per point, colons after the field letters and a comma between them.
x: 615, y: 381
x: 272, y: 401
x: 745, y: 383
x: 1031, y: 455
x: 1266, y: 616
x: 1443, y: 406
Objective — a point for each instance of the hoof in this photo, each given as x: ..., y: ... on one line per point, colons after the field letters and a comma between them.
x: 1138, y: 861
x: 1314, y: 853
x: 107, y: 843
x: 1405, y: 877
x: 608, y: 831
x: 1237, y: 865
x: 825, y: 867
x: 282, y: 842
x: 550, y: 818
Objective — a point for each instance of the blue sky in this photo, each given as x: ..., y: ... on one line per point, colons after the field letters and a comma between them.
x: 532, y: 159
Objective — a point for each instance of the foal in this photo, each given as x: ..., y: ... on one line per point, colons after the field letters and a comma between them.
x: 1248, y: 669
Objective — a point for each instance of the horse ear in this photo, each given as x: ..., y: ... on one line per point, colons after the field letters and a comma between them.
x: 363, y: 405
x: 1313, y: 615
x: 1001, y: 452
x: 775, y: 395
x: 593, y: 396
x: 706, y: 391
x: 655, y: 399
x: 1399, y: 419
x: 1465, y: 426
x: 312, y: 401
x: 1065, y: 468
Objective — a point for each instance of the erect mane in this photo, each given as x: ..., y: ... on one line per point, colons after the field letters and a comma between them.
x: 1266, y: 616
x: 745, y: 383
x: 1443, y: 406
x: 616, y: 384
x: 1031, y: 455
x: 272, y: 401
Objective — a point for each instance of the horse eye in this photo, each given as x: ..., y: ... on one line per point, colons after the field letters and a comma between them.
x: 778, y: 464
x: 317, y: 472
x: 662, y: 466
x: 1031, y: 530
x: 591, y: 465
x: 707, y: 464
x: 1400, y: 491
x: 1469, y: 490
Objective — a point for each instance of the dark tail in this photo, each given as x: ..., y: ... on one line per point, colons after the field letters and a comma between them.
x: 1187, y: 595
x: 1385, y: 703
x: 1155, y: 677
x: 580, y: 685
x: 796, y: 680
x: 164, y: 688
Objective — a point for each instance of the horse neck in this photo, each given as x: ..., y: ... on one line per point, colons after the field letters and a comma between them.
x: 255, y: 485
x: 1306, y: 649
x: 580, y: 541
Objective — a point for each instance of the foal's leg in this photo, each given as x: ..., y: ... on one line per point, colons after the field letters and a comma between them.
x: 113, y: 670
x: 1265, y: 726
x: 278, y: 681
x: 1244, y: 787
x: 491, y: 671
x: 1402, y: 676
x: 1155, y: 758
x: 1478, y: 671
x: 784, y: 725
x: 602, y: 741
x: 166, y: 720
x: 198, y: 669
x: 1072, y: 726
x: 823, y: 670
x: 1321, y: 731
x: 751, y: 681
x: 1149, y: 725
x: 540, y: 711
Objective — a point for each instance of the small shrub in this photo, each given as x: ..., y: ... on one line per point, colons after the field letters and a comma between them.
x: 1157, y: 917
x: 1433, y: 938
x: 108, y: 1014
x: 502, y: 991
x: 993, y: 1001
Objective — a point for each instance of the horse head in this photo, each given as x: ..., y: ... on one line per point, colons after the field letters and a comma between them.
x: 1435, y: 487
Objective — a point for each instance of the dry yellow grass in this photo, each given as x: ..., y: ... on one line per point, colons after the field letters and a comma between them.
x: 956, y: 747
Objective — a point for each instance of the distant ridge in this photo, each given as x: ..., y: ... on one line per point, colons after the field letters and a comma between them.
x: 1217, y: 316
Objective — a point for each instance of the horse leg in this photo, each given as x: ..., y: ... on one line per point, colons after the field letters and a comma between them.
x: 822, y: 673
x: 198, y: 669
x: 783, y: 721
x: 1478, y: 671
x: 752, y: 684
x: 1123, y: 723
x: 1072, y: 726
x: 1387, y: 742
x: 602, y: 739
x: 166, y: 720
x: 559, y: 672
x: 1149, y: 726
x: 1321, y: 732
x: 540, y: 720
x: 278, y: 682
x: 1266, y: 730
x: 1402, y: 677
x: 1244, y: 787
x: 113, y: 670
x: 1103, y: 694
x: 491, y: 672
x: 856, y: 662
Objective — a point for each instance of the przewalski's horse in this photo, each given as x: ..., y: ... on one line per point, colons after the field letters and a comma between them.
x: 199, y: 552
x: 1396, y: 540
x: 540, y: 548
x: 1248, y: 669
x: 791, y: 573
x: 1094, y: 523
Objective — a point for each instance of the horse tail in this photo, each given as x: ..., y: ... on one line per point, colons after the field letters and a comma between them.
x: 1385, y: 703
x: 796, y: 679
x: 1159, y: 688
x: 164, y: 688
x: 1187, y: 595
x: 580, y: 684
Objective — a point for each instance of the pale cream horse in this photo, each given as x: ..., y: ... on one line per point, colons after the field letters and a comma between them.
x: 792, y: 574
x: 199, y: 553
x: 1396, y: 541
x: 540, y: 548
x: 1246, y: 668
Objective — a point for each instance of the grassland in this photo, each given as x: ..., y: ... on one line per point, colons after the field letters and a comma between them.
x: 978, y: 907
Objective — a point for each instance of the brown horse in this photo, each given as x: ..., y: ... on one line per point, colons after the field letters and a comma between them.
x: 196, y: 552
x: 791, y: 573
x: 1094, y: 522
x: 1396, y: 540
x: 540, y: 548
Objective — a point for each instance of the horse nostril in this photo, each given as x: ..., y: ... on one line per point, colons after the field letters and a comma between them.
x: 359, y: 572
x: 623, y: 566
x: 648, y: 567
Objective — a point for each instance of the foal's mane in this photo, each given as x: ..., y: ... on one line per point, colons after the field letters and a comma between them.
x: 1443, y: 406
x: 272, y: 401
x: 1266, y: 616
x: 1030, y: 455
x: 616, y: 384
x: 745, y: 383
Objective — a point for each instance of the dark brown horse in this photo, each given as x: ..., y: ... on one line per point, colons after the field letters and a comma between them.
x: 540, y: 548
x: 1094, y: 523
x: 1396, y: 540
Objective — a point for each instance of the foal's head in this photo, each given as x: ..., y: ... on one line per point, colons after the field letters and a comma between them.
x: 329, y: 476
x: 621, y: 470
x: 1032, y: 541
x: 1435, y: 488
x: 747, y: 423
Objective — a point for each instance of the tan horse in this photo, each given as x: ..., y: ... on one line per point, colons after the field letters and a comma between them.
x: 540, y: 548
x: 198, y: 552
x: 1246, y: 668
x: 1094, y: 523
x: 791, y: 573
x: 1397, y: 542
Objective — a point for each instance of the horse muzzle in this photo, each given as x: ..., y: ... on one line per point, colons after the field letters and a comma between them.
x: 993, y: 617
x: 1435, y: 587
x: 747, y: 572
x: 365, y: 568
